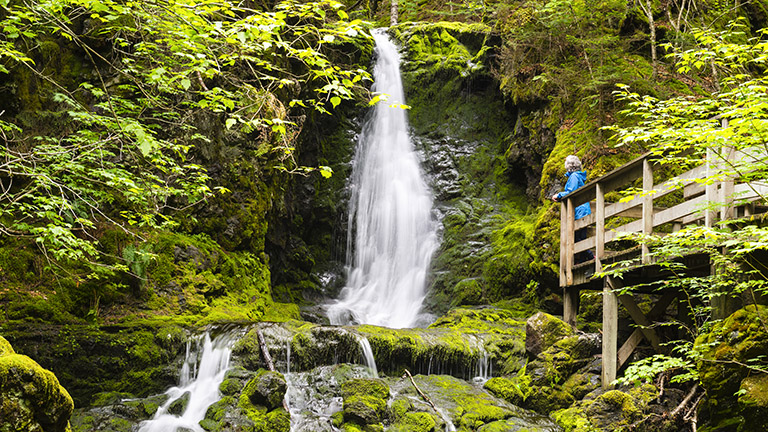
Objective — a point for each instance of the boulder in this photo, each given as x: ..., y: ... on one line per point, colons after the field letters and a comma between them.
x: 542, y: 331
x: 726, y: 352
x: 32, y: 398
x: 266, y: 389
x: 365, y: 400
x: 753, y: 403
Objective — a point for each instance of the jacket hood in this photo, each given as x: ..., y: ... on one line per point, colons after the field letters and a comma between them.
x: 582, y: 174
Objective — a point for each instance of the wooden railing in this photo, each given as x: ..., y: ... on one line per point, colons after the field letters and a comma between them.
x: 700, y: 204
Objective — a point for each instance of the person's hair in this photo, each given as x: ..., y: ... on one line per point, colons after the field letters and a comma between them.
x: 572, y: 163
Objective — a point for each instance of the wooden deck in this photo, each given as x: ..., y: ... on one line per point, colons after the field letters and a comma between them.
x: 688, y: 201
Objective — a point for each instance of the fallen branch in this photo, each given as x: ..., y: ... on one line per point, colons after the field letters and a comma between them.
x: 421, y: 393
x: 265, y: 351
x: 268, y: 360
x: 685, y: 401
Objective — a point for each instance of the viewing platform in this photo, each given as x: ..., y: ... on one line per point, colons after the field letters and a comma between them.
x: 658, y: 207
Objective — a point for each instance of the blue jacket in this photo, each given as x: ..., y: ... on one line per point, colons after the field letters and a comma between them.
x: 576, y: 179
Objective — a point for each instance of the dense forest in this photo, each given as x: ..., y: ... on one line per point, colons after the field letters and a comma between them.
x: 183, y: 192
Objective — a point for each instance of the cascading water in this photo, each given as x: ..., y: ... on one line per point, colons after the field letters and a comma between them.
x: 390, y: 213
x: 201, y: 386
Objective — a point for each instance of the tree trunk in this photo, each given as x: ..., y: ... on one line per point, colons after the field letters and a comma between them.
x: 393, y: 13
x: 652, y: 25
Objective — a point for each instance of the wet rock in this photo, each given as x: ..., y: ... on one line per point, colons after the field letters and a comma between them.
x: 542, y: 331
x: 178, y: 406
x: 32, y: 398
x: 266, y: 389
x: 365, y: 401
x: 463, y: 404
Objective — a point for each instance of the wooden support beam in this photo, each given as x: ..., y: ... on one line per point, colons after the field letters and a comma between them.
x: 570, y: 305
x: 636, y: 337
x: 610, y: 331
x: 641, y: 320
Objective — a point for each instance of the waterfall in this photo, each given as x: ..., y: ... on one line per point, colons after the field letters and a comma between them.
x: 202, y: 388
x: 370, y: 361
x: 392, y: 234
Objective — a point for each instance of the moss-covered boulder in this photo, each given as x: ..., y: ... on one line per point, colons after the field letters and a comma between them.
x: 614, y: 410
x: 463, y: 404
x: 365, y: 401
x: 266, y: 389
x: 726, y: 351
x: 31, y: 398
x: 753, y: 403
x: 542, y: 330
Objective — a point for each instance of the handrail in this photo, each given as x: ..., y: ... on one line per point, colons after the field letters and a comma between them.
x: 648, y: 218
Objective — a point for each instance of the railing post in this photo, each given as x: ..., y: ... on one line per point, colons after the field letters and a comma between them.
x: 599, y: 227
x: 563, y: 243
x: 647, y: 207
x: 727, y: 186
x: 569, y: 240
x: 710, y: 190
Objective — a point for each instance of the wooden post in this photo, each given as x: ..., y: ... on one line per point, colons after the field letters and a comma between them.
x: 647, y: 207
x: 710, y: 190
x: 599, y: 227
x: 570, y: 294
x: 610, y: 331
x: 563, y: 243
x: 569, y: 240
x: 727, y: 187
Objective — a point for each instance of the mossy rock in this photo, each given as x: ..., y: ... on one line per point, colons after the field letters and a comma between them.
x: 753, y: 403
x: 5, y: 347
x: 365, y: 400
x: 729, y: 345
x: 614, y: 410
x: 266, y: 389
x: 32, y: 398
x: 542, y: 331
x: 515, y: 389
x: 415, y: 422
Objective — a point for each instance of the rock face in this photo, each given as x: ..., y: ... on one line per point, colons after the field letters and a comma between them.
x: 31, y: 398
x: 726, y: 352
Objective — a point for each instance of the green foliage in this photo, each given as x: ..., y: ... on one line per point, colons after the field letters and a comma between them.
x: 120, y: 152
x: 725, y: 130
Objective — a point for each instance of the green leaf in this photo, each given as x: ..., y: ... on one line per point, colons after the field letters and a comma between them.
x: 326, y: 171
x: 185, y: 83
x: 335, y: 101
x: 230, y: 122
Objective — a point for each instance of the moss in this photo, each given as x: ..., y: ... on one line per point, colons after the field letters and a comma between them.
x: 415, y: 422
x: 5, y: 347
x: 515, y: 389
x: 573, y: 420
x: 32, y: 397
x: 731, y: 343
x: 265, y: 389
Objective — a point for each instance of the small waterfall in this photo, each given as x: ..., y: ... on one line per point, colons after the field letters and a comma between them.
x: 392, y: 234
x: 484, y: 367
x: 370, y: 362
x: 201, y: 386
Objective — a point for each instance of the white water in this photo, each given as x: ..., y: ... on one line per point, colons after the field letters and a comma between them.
x: 370, y: 361
x: 392, y: 234
x: 201, y: 380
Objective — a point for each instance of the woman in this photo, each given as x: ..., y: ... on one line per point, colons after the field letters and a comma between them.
x: 576, y: 179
